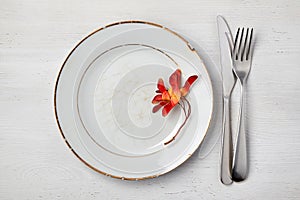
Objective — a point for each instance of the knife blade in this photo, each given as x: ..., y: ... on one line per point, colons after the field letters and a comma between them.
x: 229, y: 80
x: 228, y: 76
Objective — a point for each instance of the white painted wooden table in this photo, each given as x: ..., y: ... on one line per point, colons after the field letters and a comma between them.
x: 35, y: 38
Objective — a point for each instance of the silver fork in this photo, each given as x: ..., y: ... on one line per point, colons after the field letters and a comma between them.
x: 242, y: 58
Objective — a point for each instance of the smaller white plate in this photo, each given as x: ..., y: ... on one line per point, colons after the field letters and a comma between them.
x: 103, y: 100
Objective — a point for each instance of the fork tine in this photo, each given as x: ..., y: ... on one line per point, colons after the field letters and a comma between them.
x: 235, y: 50
x: 239, y: 55
x: 243, y: 55
x: 249, y: 46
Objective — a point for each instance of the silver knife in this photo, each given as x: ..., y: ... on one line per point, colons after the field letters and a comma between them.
x: 229, y: 80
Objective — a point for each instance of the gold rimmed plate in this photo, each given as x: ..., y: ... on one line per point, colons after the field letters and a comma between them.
x: 103, y: 100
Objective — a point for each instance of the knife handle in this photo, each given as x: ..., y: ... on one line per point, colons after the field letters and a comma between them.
x: 227, y: 149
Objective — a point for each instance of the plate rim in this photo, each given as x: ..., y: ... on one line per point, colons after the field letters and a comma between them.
x: 67, y: 58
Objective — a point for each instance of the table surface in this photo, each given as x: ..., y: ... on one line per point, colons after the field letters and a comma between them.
x: 35, y: 38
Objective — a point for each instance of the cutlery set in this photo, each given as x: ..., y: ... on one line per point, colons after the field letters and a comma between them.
x: 235, y: 57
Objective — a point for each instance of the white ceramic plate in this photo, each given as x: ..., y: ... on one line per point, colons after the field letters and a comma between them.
x: 103, y: 100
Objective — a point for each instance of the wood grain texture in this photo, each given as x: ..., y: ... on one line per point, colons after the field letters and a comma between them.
x: 35, y: 38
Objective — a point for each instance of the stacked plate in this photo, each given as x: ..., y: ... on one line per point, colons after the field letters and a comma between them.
x: 103, y: 100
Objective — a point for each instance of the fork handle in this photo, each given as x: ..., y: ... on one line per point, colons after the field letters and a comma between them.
x: 226, y: 151
x: 240, y: 166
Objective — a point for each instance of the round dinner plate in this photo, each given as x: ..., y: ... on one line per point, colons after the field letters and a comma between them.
x: 103, y: 100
